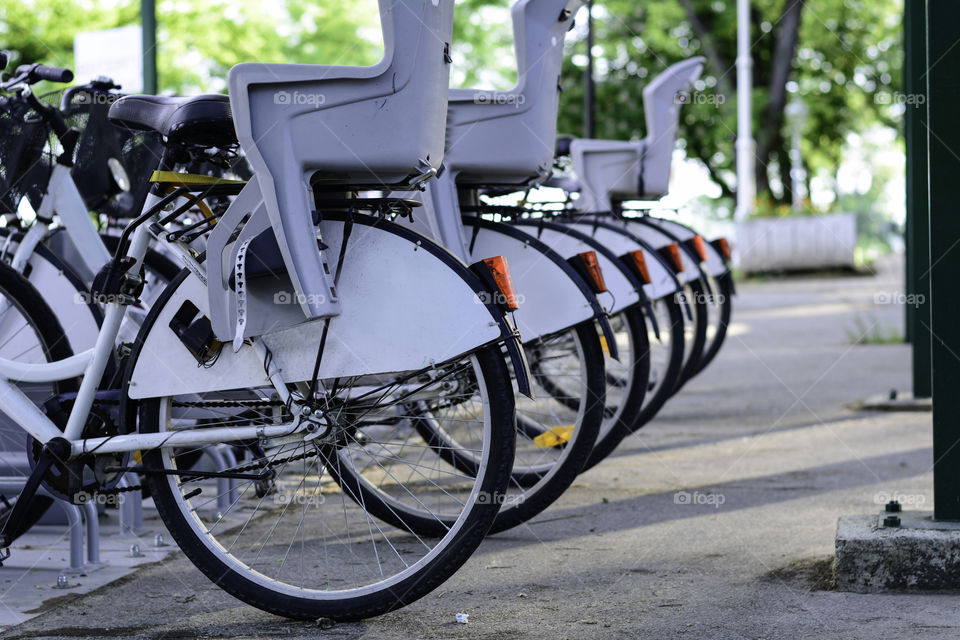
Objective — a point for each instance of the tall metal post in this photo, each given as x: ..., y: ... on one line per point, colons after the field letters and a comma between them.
x: 918, y: 225
x: 745, y: 145
x: 589, y: 127
x: 943, y: 167
x: 148, y: 22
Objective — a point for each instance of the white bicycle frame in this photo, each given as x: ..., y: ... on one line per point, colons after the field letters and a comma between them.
x: 91, y: 365
x: 64, y: 200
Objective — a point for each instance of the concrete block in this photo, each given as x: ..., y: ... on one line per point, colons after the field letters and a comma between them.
x: 919, y: 554
x: 895, y: 401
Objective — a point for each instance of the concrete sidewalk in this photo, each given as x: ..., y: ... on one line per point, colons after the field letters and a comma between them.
x: 716, y: 521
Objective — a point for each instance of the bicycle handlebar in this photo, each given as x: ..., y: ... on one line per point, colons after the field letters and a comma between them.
x: 36, y: 72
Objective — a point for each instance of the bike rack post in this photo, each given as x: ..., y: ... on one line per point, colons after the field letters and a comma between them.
x: 918, y: 262
x: 135, y: 500
x: 75, y: 527
x: 231, y: 460
x: 223, y: 484
x: 124, y: 510
x: 93, y: 533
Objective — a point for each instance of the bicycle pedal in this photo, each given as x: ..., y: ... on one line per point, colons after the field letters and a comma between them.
x: 4, y: 554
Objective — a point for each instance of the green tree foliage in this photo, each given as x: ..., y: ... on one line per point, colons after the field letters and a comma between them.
x: 198, y: 42
x: 845, y: 66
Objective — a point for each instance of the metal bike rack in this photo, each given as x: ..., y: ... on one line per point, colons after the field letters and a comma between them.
x: 75, y: 525
x: 222, y: 458
x: 131, y: 508
x: 93, y: 532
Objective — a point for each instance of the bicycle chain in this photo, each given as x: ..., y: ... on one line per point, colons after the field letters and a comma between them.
x: 230, y: 403
x: 211, y: 403
x: 250, y: 467
x: 219, y: 404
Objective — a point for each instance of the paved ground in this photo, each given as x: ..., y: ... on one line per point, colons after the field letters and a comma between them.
x: 717, y: 521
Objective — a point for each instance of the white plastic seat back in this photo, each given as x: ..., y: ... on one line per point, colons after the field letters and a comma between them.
x: 662, y: 110
x: 606, y: 169
x: 507, y: 137
x: 342, y: 127
x: 612, y: 170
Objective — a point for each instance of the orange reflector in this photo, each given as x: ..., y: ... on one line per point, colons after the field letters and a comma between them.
x: 723, y: 246
x: 699, y: 247
x: 673, y: 250
x: 640, y: 262
x: 501, y: 276
x: 593, y: 268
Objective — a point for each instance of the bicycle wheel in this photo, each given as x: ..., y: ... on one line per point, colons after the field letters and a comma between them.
x: 627, y: 383
x: 307, y: 542
x: 719, y: 311
x: 29, y: 333
x: 695, y: 332
x: 556, y: 431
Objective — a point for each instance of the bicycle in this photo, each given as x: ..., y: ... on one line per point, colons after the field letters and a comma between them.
x: 330, y: 426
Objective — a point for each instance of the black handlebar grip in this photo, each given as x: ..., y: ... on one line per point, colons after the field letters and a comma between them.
x: 53, y: 74
x: 3, y: 60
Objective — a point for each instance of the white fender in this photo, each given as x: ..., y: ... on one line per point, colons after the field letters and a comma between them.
x: 715, y: 265
x: 662, y: 284
x: 621, y: 293
x: 658, y: 240
x: 406, y: 303
x: 549, y: 300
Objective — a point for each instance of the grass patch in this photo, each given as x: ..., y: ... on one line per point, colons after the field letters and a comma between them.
x: 872, y: 333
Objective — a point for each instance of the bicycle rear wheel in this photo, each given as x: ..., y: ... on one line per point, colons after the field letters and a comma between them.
x: 693, y: 297
x: 719, y: 313
x: 627, y: 383
x: 556, y: 431
x: 329, y: 533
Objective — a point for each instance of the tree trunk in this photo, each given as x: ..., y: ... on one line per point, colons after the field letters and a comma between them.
x: 783, y: 159
x: 716, y: 60
x: 771, y: 124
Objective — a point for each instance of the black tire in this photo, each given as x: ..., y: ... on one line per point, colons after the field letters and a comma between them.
x: 694, y: 296
x: 671, y: 323
x: 637, y: 410
x: 384, y: 594
x: 534, y: 487
x: 723, y: 301
x: 56, y: 346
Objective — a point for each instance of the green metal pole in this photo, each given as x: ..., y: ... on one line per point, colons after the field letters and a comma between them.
x: 918, y: 230
x: 943, y: 166
x: 148, y: 22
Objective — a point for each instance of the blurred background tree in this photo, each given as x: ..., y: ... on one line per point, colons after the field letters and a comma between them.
x: 198, y: 42
x: 842, y: 58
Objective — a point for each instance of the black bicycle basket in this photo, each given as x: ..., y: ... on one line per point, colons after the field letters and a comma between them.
x: 112, y: 165
x: 24, y: 164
